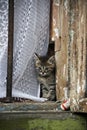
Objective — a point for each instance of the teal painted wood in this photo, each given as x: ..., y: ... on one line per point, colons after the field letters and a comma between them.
x: 28, y: 106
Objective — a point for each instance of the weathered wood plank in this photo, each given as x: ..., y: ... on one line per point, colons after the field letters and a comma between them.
x: 78, y: 45
x: 69, y: 31
x: 36, y: 114
x: 26, y: 106
x: 60, y: 36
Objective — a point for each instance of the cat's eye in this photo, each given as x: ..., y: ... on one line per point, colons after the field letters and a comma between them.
x: 46, y: 69
x: 39, y: 68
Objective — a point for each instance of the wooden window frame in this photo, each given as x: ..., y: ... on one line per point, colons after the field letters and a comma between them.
x: 69, y: 29
x: 78, y: 102
x: 10, y: 50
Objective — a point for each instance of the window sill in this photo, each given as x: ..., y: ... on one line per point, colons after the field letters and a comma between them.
x: 28, y: 106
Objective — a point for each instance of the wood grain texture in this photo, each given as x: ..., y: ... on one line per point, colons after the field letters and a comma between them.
x: 69, y: 31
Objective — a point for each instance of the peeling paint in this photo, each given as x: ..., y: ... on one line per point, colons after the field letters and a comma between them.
x: 70, y: 20
x: 83, y: 99
x: 74, y: 101
x: 57, y: 2
x: 54, y: 21
x: 72, y: 32
x: 56, y: 80
x: 57, y: 33
x: 53, y: 39
x: 64, y: 70
x: 78, y: 54
x: 82, y: 19
x: 73, y: 75
x: 66, y: 6
x: 78, y: 87
x: 72, y: 17
x: 84, y: 85
x: 66, y: 92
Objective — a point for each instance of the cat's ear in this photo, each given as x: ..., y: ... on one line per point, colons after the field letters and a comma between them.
x: 51, y: 60
x: 36, y: 57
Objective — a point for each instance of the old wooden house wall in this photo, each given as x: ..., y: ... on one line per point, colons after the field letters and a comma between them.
x: 69, y: 31
x: 60, y: 36
x: 78, y: 54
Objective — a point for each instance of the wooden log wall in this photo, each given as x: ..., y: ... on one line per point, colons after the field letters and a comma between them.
x: 60, y: 36
x: 69, y: 31
x: 78, y: 53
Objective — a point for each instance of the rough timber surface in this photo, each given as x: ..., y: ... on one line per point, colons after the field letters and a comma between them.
x: 31, y: 109
x: 28, y: 106
x: 69, y: 31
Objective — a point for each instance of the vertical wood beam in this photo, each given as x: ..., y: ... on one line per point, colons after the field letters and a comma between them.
x: 78, y: 55
x: 51, y: 22
x: 59, y: 34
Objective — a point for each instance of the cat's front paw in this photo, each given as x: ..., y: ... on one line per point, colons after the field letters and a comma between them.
x: 51, y: 95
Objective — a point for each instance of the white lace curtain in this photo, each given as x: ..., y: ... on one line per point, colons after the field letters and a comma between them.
x: 31, y: 34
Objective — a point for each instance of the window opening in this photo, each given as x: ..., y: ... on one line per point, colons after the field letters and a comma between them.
x: 32, y: 28
x: 31, y: 35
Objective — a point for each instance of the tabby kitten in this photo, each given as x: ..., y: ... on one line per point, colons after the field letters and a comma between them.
x: 45, y: 68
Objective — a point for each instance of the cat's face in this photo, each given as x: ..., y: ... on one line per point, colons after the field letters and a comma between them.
x: 44, y: 66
